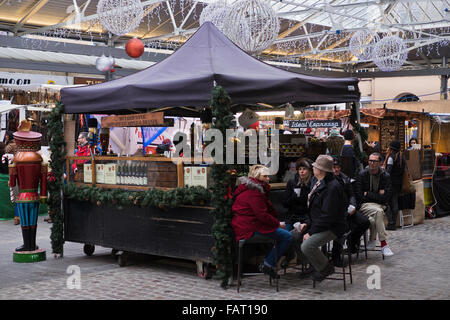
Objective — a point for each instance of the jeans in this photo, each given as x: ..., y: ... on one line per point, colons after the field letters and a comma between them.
x: 283, y: 239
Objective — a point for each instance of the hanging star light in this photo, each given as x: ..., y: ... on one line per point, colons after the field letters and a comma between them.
x: 390, y: 53
x: 362, y: 44
x: 215, y: 12
x: 252, y: 24
x: 120, y: 16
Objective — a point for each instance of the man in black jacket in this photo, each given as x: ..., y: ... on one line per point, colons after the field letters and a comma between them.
x: 326, y: 216
x: 373, y: 191
x: 357, y: 222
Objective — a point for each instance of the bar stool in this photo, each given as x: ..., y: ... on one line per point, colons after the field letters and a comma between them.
x: 378, y: 248
x: 341, y: 242
x: 403, y: 216
x: 364, y: 249
x: 256, y: 239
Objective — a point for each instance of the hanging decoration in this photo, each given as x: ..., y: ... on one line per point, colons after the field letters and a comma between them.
x: 216, y: 13
x: 120, y: 16
x: 253, y: 25
x: 362, y: 44
x: 390, y: 53
x: 134, y: 47
x: 104, y: 64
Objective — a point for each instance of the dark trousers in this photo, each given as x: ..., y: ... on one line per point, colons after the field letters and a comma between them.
x: 392, y: 213
x: 358, y: 223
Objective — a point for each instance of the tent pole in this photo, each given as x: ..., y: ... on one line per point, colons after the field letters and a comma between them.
x: 358, y: 120
x: 444, y: 80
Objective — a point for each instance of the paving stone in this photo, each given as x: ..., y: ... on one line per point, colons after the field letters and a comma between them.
x: 418, y: 270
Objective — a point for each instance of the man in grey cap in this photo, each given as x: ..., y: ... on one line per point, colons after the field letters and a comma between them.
x: 326, y: 216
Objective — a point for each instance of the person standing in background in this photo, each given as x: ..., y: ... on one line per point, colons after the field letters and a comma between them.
x: 11, y: 149
x: 394, y: 164
x: 347, y: 151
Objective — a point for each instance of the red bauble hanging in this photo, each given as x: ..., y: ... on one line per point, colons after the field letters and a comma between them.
x: 134, y: 48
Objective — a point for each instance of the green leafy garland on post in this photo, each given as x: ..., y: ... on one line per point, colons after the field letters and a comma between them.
x: 57, y: 157
x: 222, y: 230
x: 362, y: 156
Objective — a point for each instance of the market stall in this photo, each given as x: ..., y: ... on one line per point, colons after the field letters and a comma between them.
x: 186, y: 78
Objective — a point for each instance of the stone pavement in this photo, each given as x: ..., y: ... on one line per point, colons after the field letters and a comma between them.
x: 419, y: 269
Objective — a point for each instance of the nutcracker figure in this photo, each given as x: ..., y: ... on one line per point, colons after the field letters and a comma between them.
x: 28, y: 171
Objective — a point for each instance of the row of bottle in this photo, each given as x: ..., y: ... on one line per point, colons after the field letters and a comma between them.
x: 132, y: 173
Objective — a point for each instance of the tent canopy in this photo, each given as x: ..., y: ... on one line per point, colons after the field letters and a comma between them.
x: 187, y: 77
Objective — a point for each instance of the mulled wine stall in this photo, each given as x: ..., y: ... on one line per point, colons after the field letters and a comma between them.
x: 163, y: 216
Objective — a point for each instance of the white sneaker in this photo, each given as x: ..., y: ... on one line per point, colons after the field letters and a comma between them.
x: 371, y: 245
x: 386, y: 251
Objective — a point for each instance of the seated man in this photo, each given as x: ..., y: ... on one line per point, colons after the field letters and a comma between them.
x: 326, y: 216
x: 373, y: 191
x: 357, y: 222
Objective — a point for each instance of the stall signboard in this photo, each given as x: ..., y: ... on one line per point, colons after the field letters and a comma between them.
x: 151, y: 119
x: 392, y: 128
x: 88, y: 81
x: 313, y: 123
x: 188, y: 176
x: 22, y: 79
x: 87, y: 173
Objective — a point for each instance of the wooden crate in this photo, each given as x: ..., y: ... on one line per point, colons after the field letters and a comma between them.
x: 162, y: 174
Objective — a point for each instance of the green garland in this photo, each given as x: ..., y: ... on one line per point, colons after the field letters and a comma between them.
x: 196, y: 196
x: 57, y: 157
x: 362, y: 156
x: 222, y: 230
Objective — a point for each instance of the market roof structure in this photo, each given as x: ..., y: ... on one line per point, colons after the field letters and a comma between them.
x: 187, y: 77
x: 314, y: 34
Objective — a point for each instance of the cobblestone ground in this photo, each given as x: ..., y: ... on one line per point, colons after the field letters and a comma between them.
x: 418, y: 270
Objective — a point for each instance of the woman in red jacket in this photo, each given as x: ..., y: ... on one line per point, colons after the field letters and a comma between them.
x: 253, y: 214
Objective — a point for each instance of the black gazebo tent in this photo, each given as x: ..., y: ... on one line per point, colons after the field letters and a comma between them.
x: 187, y: 77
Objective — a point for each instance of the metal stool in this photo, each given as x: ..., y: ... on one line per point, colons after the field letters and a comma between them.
x: 341, y: 242
x: 365, y: 246
x: 403, y: 216
x: 256, y: 239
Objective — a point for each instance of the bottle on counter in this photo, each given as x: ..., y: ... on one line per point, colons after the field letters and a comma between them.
x: 119, y: 172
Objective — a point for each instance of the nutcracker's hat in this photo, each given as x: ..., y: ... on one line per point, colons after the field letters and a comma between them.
x: 27, y: 140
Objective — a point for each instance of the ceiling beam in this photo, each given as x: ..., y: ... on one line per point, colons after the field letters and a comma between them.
x: 3, y: 2
x: 36, y: 7
x: 74, y: 48
x: 65, y: 24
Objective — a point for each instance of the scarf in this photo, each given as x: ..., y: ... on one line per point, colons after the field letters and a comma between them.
x: 316, y: 185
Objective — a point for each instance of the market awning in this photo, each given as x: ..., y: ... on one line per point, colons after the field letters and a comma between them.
x: 187, y: 77
x: 428, y: 106
x: 377, y: 113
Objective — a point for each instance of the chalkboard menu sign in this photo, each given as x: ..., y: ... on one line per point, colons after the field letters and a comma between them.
x: 390, y: 129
